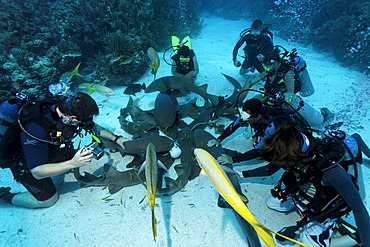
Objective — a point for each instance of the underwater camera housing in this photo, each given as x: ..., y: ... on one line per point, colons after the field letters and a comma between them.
x: 96, y: 150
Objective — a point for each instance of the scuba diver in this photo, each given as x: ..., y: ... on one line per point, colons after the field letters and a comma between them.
x: 184, y: 62
x: 258, y: 41
x: 263, y: 117
x: 283, y: 81
x: 285, y: 72
x: 317, y: 182
x: 38, y: 145
x: 278, y: 73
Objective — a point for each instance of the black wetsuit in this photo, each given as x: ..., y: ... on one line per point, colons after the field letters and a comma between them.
x: 338, y: 179
x: 328, y: 182
x: 254, y: 45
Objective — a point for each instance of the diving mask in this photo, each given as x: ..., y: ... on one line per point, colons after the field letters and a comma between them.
x: 255, y: 32
x: 305, y: 144
x: 268, y: 65
x: 70, y: 120
x: 244, y: 115
x: 184, y: 59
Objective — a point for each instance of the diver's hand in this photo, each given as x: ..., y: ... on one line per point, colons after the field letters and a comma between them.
x: 237, y: 63
x: 225, y: 159
x: 82, y: 157
x: 213, y: 142
x: 121, y: 140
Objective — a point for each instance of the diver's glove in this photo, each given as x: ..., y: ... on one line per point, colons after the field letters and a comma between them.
x: 213, y: 142
x: 225, y: 159
x: 237, y: 63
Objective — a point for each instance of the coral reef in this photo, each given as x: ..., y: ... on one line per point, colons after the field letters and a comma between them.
x: 41, y: 40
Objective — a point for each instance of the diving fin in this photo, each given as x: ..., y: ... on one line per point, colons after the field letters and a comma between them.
x: 346, y: 229
x: 186, y: 41
x: 175, y: 41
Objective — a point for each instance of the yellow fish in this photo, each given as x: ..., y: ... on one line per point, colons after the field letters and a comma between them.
x: 97, y: 88
x: 151, y: 177
x: 115, y: 59
x: 226, y: 189
x: 151, y: 166
x: 127, y: 61
x: 67, y: 76
x: 154, y: 63
x: 69, y: 54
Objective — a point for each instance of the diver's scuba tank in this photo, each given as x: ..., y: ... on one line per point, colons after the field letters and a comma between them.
x: 9, y: 109
x: 351, y: 143
x: 307, y: 112
x: 301, y: 70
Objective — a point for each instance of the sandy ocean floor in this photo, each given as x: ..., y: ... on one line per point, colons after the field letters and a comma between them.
x: 83, y: 217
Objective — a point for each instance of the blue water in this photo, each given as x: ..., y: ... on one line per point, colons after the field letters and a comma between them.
x: 82, y: 217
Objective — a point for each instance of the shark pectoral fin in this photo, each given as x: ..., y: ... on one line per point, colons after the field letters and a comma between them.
x: 180, y: 169
x: 195, y: 170
x: 142, y: 168
x: 110, y: 171
x: 172, y: 186
x: 113, y: 188
x: 136, y: 162
x: 203, y: 88
x: 233, y: 81
x: 202, y: 174
x: 161, y: 165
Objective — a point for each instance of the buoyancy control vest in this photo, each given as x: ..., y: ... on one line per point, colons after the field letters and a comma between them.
x: 304, y: 182
x: 184, y: 67
x: 257, y: 44
x: 277, y: 84
x: 278, y: 113
x: 302, y: 80
x: 60, y: 135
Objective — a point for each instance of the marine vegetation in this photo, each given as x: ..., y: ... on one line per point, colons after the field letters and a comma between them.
x: 41, y: 40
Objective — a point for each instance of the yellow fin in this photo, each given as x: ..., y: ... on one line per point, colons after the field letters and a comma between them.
x: 75, y: 71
